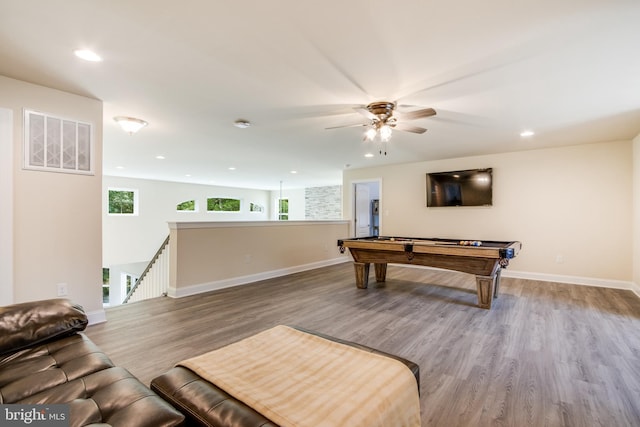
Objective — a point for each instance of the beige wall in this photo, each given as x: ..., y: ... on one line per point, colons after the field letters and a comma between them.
x: 636, y: 215
x: 207, y: 256
x: 570, y: 204
x: 56, y: 216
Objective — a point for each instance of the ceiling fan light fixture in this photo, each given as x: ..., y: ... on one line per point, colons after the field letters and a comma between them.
x: 385, y: 133
x: 130, y: 125
x: 370, y: 134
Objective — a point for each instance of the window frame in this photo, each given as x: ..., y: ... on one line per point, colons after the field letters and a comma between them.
x: 280, y: 213
x: 259, y: 208
x: 196, y: 206
x: 136, y: 201
x: 240, y: 203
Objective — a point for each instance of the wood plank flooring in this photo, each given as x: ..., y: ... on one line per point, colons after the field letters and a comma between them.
x: 546, y: 354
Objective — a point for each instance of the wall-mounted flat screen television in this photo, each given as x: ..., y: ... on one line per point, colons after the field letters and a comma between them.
x: 473, y: 187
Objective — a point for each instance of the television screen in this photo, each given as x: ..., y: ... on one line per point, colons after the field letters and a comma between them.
x: 471, y: 187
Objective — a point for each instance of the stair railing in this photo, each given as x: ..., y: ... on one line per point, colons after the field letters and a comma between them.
x: 154, y: 280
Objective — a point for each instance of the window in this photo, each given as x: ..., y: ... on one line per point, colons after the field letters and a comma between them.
x: 283, y: 209
x: 187, y: 206
x: 56, y: 144
x: 253, y: 207
x: 105, y: 286
x: 123, y: 201
x: 130, y: 280
x: 223, y: 205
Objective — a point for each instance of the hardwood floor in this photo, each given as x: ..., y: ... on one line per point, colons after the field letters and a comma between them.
x: 546, y: 354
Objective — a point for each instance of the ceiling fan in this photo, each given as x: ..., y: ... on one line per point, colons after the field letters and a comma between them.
x: 383, y: 118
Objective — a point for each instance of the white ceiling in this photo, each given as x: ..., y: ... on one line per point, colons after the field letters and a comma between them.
x: 569, y: 70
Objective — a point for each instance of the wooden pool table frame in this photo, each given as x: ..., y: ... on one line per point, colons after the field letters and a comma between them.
x: 485, y: 262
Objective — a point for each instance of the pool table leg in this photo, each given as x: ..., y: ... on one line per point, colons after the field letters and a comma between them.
x: 486, y: 286
x: 362, y: 274
x: 381, y: 272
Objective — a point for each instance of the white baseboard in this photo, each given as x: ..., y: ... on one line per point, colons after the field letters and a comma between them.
x: 98, y: 316
x: 574, y: 280
x: 243, y: 280
x: 636, y: 289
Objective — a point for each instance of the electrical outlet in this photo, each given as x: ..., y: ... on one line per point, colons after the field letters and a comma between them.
x: 63, y: 290
x: 247, y: 259
x: 559, y: 259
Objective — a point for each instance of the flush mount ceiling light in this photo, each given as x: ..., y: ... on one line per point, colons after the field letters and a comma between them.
x: 527, y: 133
x: 130, y: 125
x: 87, y: 55
x: 242, y: 124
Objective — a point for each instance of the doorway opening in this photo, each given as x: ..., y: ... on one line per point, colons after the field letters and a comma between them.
x: 367, y: 203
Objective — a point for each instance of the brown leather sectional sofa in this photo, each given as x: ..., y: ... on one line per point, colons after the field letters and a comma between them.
x: 45, y: 359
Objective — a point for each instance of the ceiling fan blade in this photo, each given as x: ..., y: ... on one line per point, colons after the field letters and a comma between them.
x: 418, y: 114
x: 368, y: 114
x: 409, y: 128
x: 347, y: 126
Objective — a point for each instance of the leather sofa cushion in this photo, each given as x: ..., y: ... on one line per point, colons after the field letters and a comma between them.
x: 28, y: 324
x: 72, y: 370
x: 111, y: 396
x: 32, y: 370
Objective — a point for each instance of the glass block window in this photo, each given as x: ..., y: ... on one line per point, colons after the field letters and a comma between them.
x: 56, y: 144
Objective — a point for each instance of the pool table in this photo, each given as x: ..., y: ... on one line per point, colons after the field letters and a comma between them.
x: 484, y: 259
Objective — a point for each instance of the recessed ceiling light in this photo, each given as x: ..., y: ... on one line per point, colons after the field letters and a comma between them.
x: 232, y: 168
x: 368, y: 155
x: 160, y: 157
x: 87, y: 55
x: 294, y: 172
x: 527, y: 133
x: 119, y: 167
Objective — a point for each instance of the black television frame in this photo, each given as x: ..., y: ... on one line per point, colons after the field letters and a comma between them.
x: 460, y: 188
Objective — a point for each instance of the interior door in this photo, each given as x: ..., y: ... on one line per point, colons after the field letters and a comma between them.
x: 362, y: 214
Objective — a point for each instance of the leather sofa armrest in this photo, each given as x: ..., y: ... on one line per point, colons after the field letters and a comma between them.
x: 31, y: 323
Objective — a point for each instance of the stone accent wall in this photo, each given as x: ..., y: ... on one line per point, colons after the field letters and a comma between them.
x: 323, y: 202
